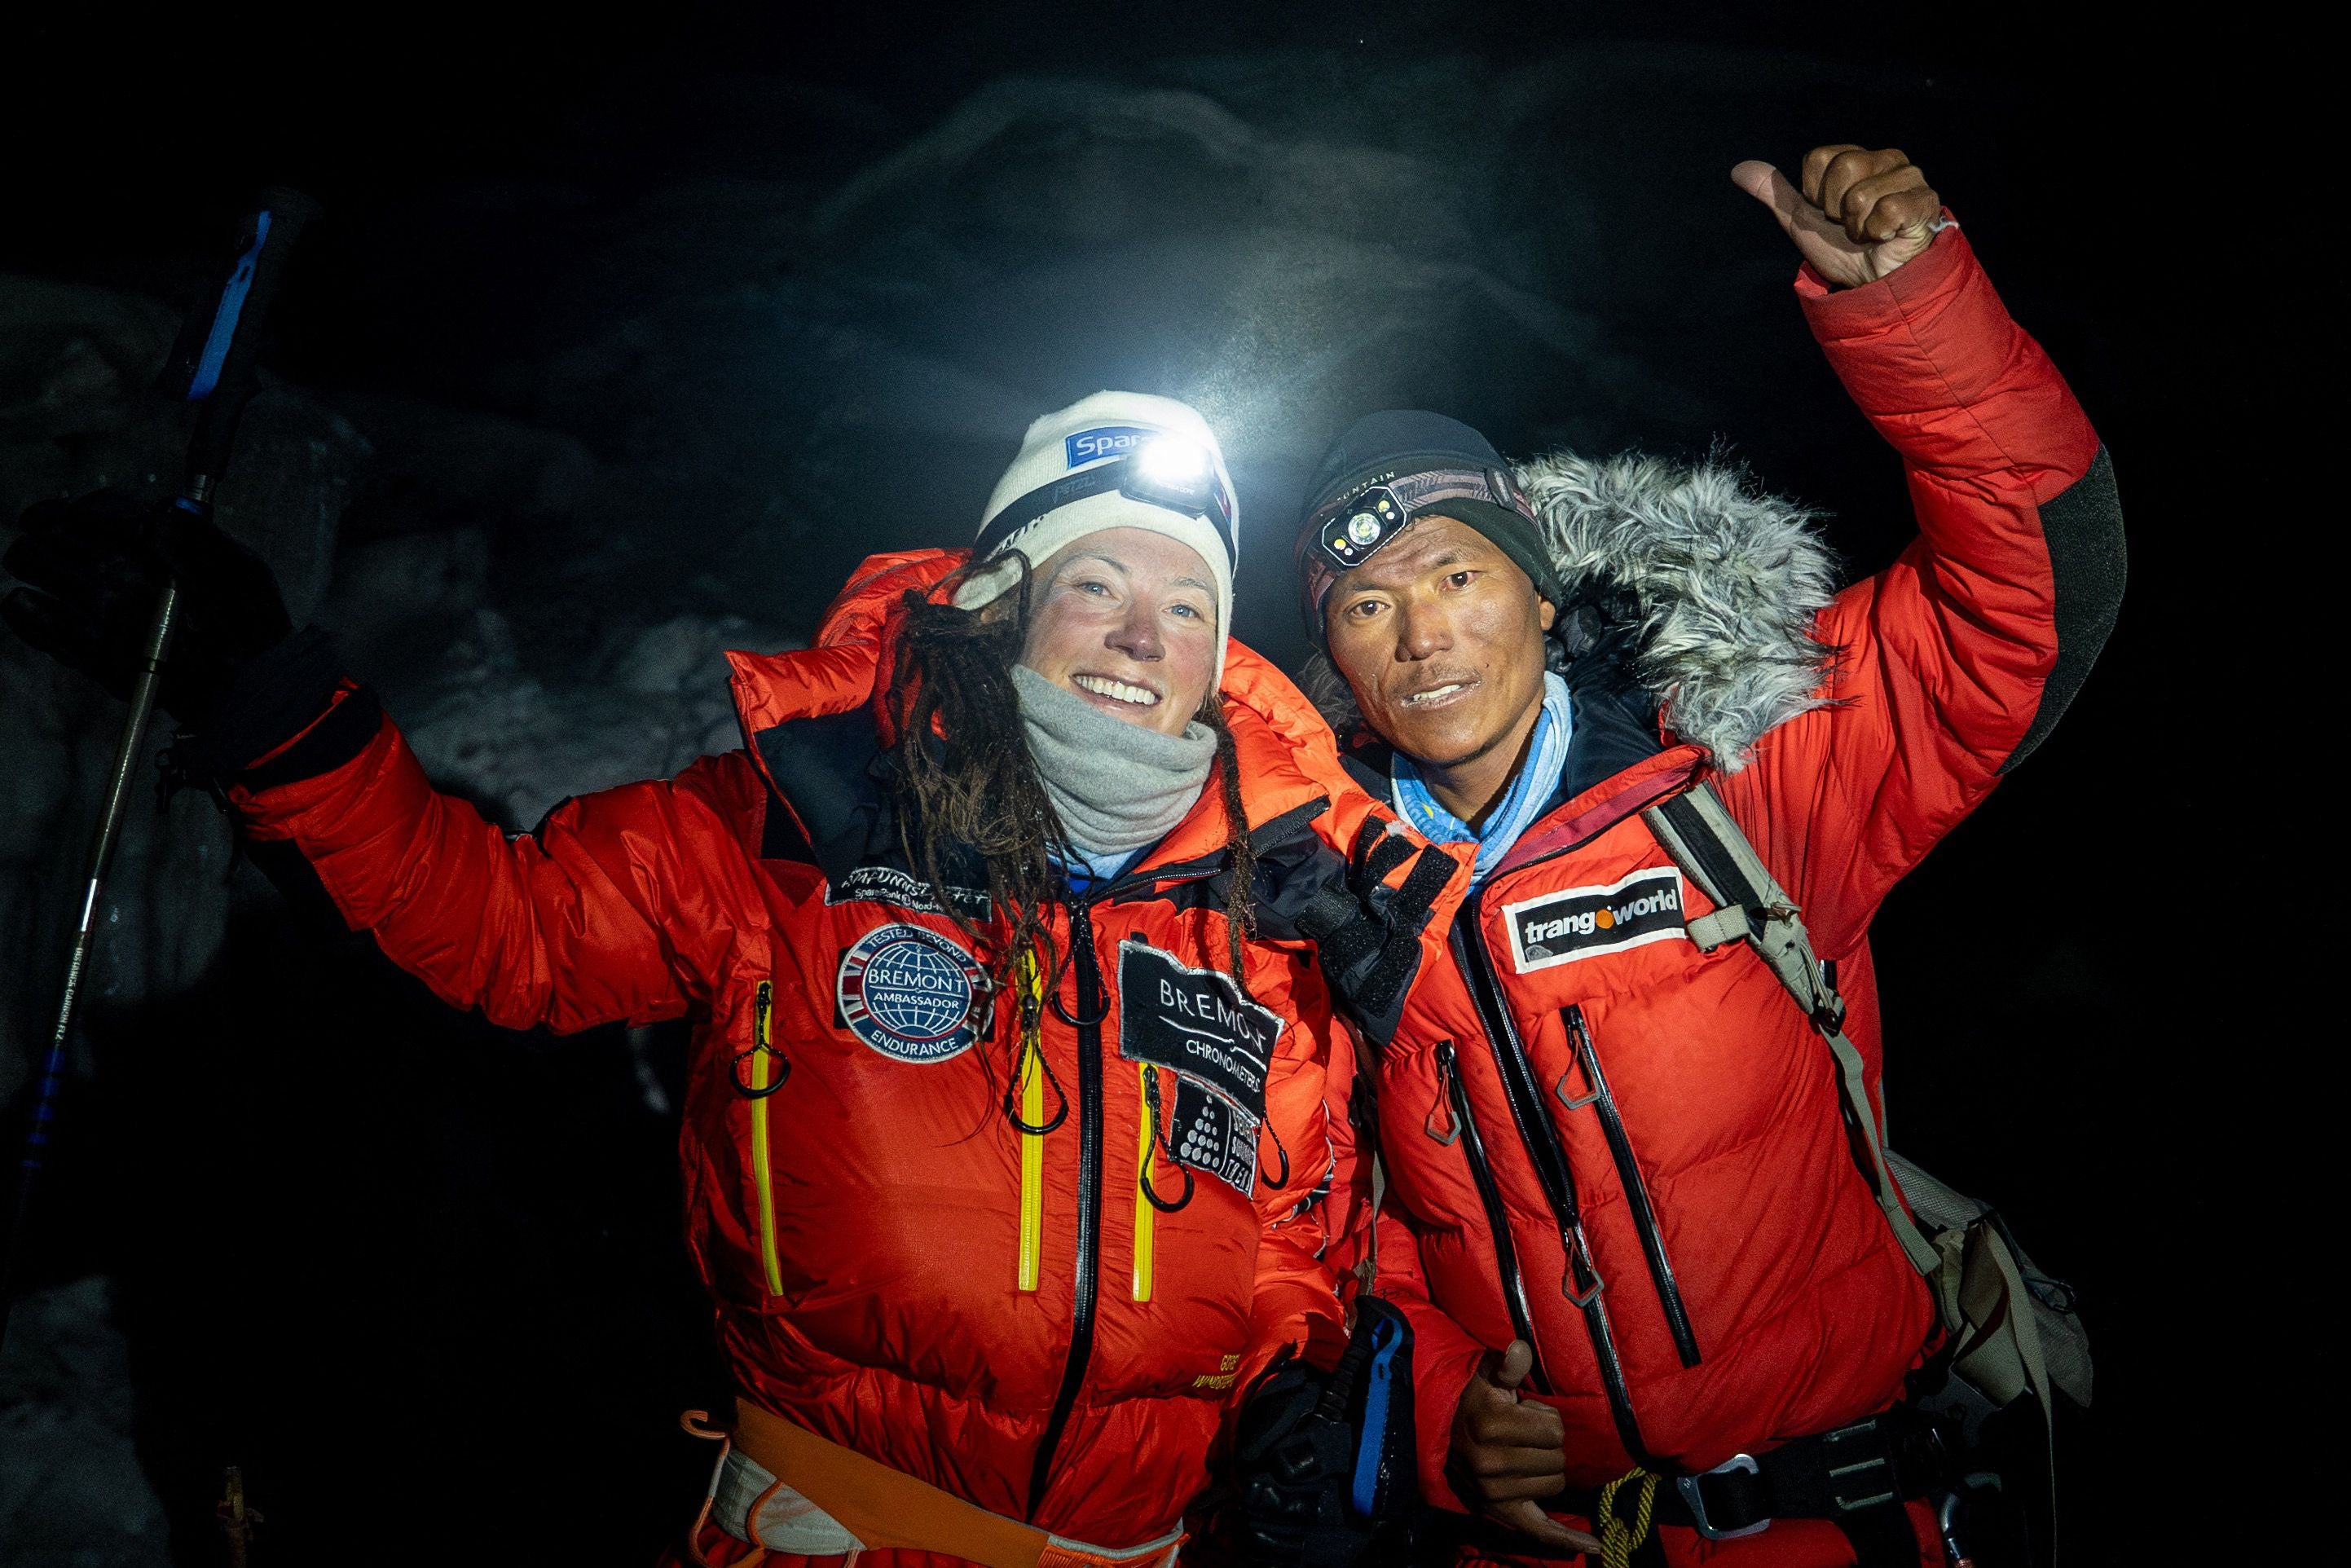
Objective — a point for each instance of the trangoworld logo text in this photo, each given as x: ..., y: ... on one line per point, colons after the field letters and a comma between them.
x: 1583, y: 922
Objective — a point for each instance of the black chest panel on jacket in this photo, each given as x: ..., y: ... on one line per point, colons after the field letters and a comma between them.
x: 824, y: 768
x: 836, y: 780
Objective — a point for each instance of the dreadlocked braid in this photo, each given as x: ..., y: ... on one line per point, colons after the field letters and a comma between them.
x: 964, y: 774
x: 1240, y: 915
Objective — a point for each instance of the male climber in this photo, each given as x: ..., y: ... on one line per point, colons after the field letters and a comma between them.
x: 1648, y: 1270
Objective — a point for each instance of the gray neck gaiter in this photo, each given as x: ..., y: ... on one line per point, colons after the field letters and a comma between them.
x: 1118, y: 787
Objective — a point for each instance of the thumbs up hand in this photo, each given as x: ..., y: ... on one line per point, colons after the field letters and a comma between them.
x: 1857, y: 215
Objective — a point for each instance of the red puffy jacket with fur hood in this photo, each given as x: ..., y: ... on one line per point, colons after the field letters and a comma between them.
x: 1577, y: 1077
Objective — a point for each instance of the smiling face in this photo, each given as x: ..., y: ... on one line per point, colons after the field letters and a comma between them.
x: 1440, y: 637
x: 1126, y: 618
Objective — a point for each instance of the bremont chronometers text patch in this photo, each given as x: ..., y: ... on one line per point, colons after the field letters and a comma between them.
x: 1220, y: 1047
x: 1585, y: 922
x: 1194, y: 1022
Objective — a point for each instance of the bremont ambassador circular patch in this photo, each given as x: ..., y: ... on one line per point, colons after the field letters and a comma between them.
x: 907, y: 993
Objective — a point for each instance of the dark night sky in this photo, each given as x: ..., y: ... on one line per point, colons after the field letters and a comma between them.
x: 465, y: 159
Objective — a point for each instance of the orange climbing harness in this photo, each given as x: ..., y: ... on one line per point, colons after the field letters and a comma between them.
x: 837, y: 1501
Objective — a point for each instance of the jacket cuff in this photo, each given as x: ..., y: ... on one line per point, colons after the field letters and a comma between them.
x: 1929, y: 334
x: 1438, y: 1394
x: 336, y: 737
x: 273, y: 699
x: 1935, y: 362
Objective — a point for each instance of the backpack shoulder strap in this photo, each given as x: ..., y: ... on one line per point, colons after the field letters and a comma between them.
x: 1750, y: 906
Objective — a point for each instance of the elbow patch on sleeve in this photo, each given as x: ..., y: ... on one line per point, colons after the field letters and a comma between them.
x: 2084, y: 527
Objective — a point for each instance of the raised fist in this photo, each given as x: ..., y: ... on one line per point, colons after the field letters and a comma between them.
x: 1858, y: 215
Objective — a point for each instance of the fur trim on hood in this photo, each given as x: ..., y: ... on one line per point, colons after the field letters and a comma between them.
x: 1726, y: 584
x: 1721, y: 583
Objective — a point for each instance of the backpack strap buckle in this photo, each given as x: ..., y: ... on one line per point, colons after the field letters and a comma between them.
x: 1694, y: 1496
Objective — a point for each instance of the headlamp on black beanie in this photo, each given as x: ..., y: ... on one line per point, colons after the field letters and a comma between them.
x: 1391, y: 468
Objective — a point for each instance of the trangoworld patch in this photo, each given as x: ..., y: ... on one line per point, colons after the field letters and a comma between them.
x: 908, y: 993
x: 1219, y: 1045
x: 1585, y: 921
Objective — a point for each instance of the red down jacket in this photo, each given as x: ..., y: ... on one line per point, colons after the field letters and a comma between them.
x: 861, y: 1229
x: 1578, y: 1058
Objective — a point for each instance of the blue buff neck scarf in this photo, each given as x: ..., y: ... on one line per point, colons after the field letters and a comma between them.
x: 1521, y: 804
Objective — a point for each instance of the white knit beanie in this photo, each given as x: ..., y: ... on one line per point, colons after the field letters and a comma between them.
x: 1071, y: 452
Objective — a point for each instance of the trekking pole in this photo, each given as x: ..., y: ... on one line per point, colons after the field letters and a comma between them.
x: 212, y: 367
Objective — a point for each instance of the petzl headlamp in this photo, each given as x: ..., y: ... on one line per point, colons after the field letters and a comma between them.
x: 1168, y: 471
x: 1346, y: 532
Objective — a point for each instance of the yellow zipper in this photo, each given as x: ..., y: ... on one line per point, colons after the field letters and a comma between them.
x: 1143, y: 1211
x: 1032, y: 1114
x: 763, y: 1005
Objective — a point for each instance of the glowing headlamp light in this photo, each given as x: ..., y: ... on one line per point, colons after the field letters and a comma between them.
x: 1166, y: 471
x: 1172, y: 460
x: 1176, y: 474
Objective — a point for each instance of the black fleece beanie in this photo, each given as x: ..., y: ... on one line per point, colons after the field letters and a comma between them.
x: 1381, y: 448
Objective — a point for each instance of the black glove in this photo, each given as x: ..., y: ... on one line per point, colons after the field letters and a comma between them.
x: 1367, y: 934
x: 92, y: 569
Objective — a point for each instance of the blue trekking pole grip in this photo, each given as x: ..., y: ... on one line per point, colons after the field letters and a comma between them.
x: 212, y: 367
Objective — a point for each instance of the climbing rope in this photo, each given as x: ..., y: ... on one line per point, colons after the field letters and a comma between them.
x: 1618, y: 1540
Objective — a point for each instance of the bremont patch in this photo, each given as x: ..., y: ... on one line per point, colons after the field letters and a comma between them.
x: 1585, y: 921
x: 888, y: 884
x: 1209, y: 1135
x: 909, y: 993
x: 1221, y: 1048
x: 1194, y: 1022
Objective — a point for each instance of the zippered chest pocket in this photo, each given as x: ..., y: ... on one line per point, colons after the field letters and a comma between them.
x: 1583, y: 1088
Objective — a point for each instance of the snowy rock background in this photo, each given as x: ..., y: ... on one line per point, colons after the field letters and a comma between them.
x: 556, y: 430
x: 71, y: 1492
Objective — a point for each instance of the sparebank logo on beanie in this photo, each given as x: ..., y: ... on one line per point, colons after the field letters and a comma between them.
x: 1585, y: 921
x: 1109, y: 441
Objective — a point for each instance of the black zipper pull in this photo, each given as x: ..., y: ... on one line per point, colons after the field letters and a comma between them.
x: 763, y: 1005
x: 1451, y: 1132
x: 1093, y: 1005
x: 1578, y: 1045
x: 1159, y: 1144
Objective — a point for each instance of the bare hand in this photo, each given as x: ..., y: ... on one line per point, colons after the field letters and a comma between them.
x: 1858, y: 215
x: 1514, y: 1453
